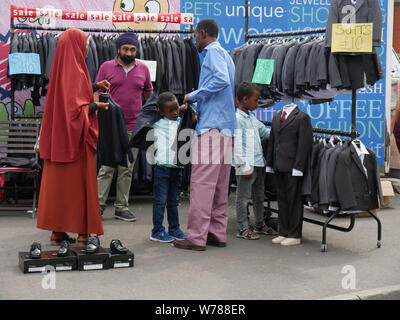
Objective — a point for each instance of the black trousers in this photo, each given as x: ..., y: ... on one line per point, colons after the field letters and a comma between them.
x: 290, y: 205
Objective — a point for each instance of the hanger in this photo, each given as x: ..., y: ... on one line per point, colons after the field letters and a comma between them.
x: 357, y: 143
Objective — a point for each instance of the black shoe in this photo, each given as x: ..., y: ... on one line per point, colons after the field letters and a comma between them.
x: 64, y: 249
x: 117, y: 248
x: 125, y: 215
x: 93, y: 245
x: 36, y: 251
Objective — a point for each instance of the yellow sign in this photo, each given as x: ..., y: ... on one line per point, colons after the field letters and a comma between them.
x: 352, y: 37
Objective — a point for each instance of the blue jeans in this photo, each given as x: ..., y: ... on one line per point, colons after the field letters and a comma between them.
x: 166, y: 188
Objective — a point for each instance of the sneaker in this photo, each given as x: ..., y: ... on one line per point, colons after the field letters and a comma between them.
x: 266, y: 230
x: 125, y: 215
x: 177, y: 234
x: 161, y: 236
x: 247, y: 234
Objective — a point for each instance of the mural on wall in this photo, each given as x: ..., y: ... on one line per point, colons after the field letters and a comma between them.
x: 265, y: 16
x: 140, y: 6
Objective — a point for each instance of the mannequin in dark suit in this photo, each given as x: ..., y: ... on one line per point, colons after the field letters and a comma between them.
x: 288, y: 150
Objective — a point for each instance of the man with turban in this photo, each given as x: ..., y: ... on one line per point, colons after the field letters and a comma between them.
x: 129, y: 79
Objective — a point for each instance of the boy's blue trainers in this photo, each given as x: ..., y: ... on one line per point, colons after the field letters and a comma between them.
x: 177, y: 234
x: 161, y: 237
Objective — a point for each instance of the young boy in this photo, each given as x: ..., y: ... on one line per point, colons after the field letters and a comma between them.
x: 167, y: 175
x: 249, y: 163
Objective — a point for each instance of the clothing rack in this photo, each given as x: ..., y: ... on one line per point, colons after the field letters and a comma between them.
x: 322, y: 130
x: 353, y: 134
x: 14, y: 27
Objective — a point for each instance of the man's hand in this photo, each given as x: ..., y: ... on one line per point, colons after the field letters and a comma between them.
x: 104, y: 85
x: 102, y: 106
x: 186, y: 99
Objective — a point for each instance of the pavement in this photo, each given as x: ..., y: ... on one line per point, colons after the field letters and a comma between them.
x: 352, y: 268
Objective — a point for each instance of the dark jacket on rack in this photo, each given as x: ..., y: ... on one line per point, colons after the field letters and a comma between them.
x: 365, y: 11
x: 356, y: 190
x: 113, y: 137
x: 149, y: 114
x: 290, y: 142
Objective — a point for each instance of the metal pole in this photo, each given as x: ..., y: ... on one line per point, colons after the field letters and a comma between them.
x: 353, y: 114
x: 12, y: 30
x: 102, y: 30
x: 246, y: 20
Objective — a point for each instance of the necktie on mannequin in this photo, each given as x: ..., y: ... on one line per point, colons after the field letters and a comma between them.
x: 283, y: 118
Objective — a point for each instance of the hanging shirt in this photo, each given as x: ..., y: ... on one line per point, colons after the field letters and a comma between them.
x: 216, y: 93
x: 127, y: 86
x: 165, y: 131
x: 361, y: 152
x: 288, y: 109
x: 248, y: 151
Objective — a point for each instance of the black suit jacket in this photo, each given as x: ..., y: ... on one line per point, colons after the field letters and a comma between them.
x: 290, y: 142
x: 113, y: 137
x: 354, y: 189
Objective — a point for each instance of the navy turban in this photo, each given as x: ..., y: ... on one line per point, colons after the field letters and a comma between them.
x: 128, y: 38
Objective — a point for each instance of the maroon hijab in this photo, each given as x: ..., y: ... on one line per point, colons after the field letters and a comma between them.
x: 67, y: 125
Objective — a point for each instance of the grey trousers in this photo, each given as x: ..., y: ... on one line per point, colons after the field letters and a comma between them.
x: 123, y: 186
x: 250, y: 189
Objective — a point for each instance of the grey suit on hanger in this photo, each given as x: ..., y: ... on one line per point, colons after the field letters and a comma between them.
x: 52, y: 50
x: 355, y: 190
x: 176, y: 87
x: 331, y: 174
x: 93, y: 46
x: 249, y: 64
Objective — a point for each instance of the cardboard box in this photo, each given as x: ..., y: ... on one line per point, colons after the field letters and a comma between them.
x: 387, y: 192
x: 87, y: 261
x: 366, y: 214
x: 49, y: 258
x: 120, y: 260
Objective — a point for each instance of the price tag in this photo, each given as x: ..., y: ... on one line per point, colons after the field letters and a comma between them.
x: 264, y: 71
x: 152, y: 65
x: 352, y: 37
x: 26, y: 63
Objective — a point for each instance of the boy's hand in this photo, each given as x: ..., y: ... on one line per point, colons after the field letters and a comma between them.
x: 182, y: 108
x: 249, y: 175
x: 194, y: 118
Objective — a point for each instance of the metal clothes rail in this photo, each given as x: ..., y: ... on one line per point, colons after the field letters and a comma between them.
x: 14, y: 27
x: 353, y: 134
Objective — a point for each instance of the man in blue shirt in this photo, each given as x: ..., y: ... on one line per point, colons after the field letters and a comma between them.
x: 212, y: 150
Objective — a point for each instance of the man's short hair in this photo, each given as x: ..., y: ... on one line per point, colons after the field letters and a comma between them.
x: 165, y: 97
x: 246, y: 89
x: 209, y: 25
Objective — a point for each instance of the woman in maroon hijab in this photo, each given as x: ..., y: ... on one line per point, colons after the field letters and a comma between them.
x: 68, y: 199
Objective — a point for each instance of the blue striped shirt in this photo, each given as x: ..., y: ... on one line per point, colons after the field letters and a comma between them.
x: 215, y: 96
